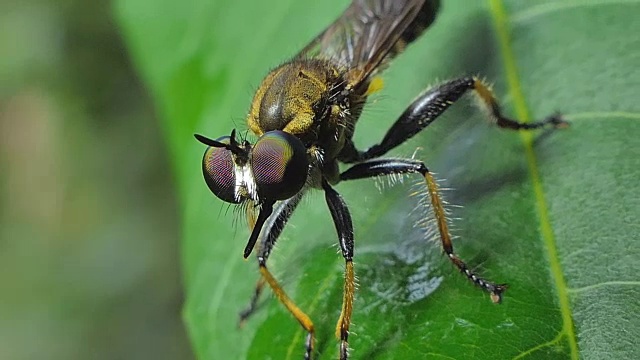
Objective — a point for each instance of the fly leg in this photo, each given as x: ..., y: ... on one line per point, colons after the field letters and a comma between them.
x: 344, y: 228
x: 431, y: 104
x: 381, y: 167
x: 272, y: 229
x: 253, y: 303
x: 273, y: 223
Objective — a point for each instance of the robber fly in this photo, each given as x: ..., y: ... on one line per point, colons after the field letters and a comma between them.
x: 304, y: 114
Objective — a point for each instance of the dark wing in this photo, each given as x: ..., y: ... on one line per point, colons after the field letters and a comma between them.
x: 370, y: 32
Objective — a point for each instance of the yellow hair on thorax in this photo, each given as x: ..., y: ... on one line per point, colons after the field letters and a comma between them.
x: 375, y: 85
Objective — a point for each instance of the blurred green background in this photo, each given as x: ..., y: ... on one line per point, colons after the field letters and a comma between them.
x: 88, y: 219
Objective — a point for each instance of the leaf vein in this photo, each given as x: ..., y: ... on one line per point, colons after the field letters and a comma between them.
x: 543, y: 9
x: 602, y: 284
x: 500, y: 19
x: 551, y: 342
x: 603, y: 114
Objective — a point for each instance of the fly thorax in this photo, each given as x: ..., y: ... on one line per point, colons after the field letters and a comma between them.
x: 293, y: 97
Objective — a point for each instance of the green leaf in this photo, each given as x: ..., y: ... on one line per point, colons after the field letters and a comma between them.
x: 555, y: 214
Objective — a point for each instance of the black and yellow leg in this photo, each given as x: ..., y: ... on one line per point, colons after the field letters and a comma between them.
x: 344, y: 227
x: 302, y: 318
x: 270, y: 222
x: 431, y: 104
x: 272, y: 229
x: 342, y: 328
x: 380, y: 167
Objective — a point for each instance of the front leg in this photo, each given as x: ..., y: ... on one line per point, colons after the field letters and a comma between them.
x: 273, y: 227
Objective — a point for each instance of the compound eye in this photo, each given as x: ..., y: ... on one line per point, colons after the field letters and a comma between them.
x: 279, y: 164
x: 219, y: 171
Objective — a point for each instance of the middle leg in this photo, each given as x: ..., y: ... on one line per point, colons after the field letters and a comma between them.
x: 344, y: 227
x: 381, y: 167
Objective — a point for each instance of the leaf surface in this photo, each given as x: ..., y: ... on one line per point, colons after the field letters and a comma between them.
x: 554, y: 214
